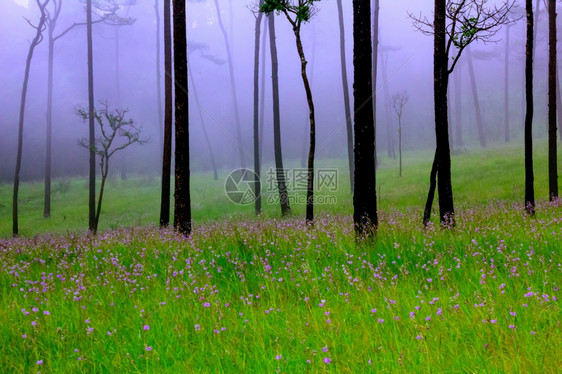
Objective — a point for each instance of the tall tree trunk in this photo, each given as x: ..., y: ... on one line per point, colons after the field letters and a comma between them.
x: 305, y: 130
x: 159, y: 77
x: 232, y: 86
x: 91, y: 125
x: 374, y: 67
x: 48, y: 145
x: 203, y: 125
x: 347, y: 105
x: 431, y: 193
x: 444, y: 188
x: 388, y: 118
x: 458, y: 107
x: 476, y: 100
x: 167, y: 146
x: 182, y: 197
x: 365, y: 195
x: 552, y: 145
x: 529, y: 174
x: 257, y: 169
x: 280, y: 171
x: 312, y: 149
x: 506, y: 86
x: 400, y: 143
x: 36, y: 40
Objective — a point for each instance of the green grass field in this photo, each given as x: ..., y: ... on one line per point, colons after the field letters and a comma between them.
x: 247, y: 295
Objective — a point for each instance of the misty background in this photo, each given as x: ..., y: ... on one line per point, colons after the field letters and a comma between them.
x: 125, y: 76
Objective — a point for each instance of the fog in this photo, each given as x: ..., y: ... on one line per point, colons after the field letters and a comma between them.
x: 125, y: 77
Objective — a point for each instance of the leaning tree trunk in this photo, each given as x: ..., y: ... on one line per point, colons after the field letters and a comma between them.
x: 167, y: 146
x: 476, y: 100
x: 365, y: 195
x: 346, y: 101
x: 444, y: 188
x: 257, y: 171
x: 431, y: 193
x: 232, y: 86
x: 506, y: 87
x: 552, y: 145
x: 280, y: 171
x: 529, y: 174
x: 36, y: 40
x: 182, y: 196
x: 91, y: 124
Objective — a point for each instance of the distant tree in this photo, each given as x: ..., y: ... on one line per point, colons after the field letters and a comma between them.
x: 529, y: 174
x: 298, y: 12
x: 117, y: 133
x: 168, y: 114
x: 390, y: 148
x: 91, y: 124
x: 456, y: 25
x: 475, y: 99
x: 506, y: 86
x: 458, y: 107
x: 257, y: 165
x: 365, y: 217
x: 159, y: 76
x: 182, y: 195
x: 232, y: 85
x: 399, y: 100
x: 552, y: 78
x: 37, y: 39
x: 346, y: 99
x: 277, y: 149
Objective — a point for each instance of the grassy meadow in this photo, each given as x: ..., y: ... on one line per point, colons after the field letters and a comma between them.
x: 247, y: 295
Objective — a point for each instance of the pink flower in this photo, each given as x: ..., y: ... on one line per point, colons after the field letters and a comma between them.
x: 327, y: 360
x: 47, y: 313
x: 197, y: 327
x: 148, y: 348
x: 206, y: 305
x: 278, y: 357
x: 146, y: 327
x: 325, y: 349
x: 40, y: 362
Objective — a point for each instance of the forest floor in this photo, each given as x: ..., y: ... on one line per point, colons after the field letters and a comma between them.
x: 274, y: 295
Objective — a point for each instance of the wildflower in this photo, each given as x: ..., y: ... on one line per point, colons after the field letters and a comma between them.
x: 493, y: 321
x: 511, y: 326
x: 412, y: 314
x: 278, y: 357
x: 381, y: 320
x: 439, y: 312
x: 373, y: 310
x: 327, y: 360
x: 325, y: 349
x: 533, y: 332
x: 33, y: 323
x: 429, y: 280
x: 369, y: 362
x: 206, y: 305
x: 513, y: 313
x: 87, y: 321
x: 148, y: 348
x: 109, y: 333
x: 428, y: 318
x: 34, y: 309
x: 197, y: 327
x: 47, y: 313
x: 146, y: 327
x: 419, y: 337
x: 40, y: 362
x: 24, y: 336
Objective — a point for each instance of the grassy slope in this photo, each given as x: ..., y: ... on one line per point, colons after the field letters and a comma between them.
x: 479, y: 177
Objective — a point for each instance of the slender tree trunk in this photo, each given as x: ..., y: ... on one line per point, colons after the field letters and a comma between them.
x: 182, y: 197
x: 159, y: 77
x: 458, y: 107
x: 552, y: 145
x: 257, y: 171
x: 506, y: 86
x: 203, y: 125
x: 262, y: 85
x: 400, y: 142
x: 431, y: 193
x: 305, y: 130
x: 48, y: 145
x: 444, y: 188
x: 91, y: 125
x: 100, y: 197
x: 168, y: 114
x: 233, y: 87
x: 479, y: 121
x: 280, y: 171
x: 365, y: 195
x: 346, y: 100
x: 375, y: 64
x: 529, y: 174
x: 389, y: 131
x: 36, y: 40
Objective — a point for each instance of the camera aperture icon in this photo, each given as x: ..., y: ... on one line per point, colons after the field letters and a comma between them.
x: 240, y: 186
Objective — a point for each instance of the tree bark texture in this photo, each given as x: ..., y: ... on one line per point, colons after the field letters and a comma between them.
x: 529, y: 173
x: 552, y: 140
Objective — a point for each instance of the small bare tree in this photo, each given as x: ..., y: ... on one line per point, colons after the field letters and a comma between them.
x: 399, y: 100
x: 117, y: 133
x: 456, y: 25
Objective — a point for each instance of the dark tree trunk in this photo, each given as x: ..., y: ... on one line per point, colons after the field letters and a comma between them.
x: 257, y: 171
x: 506, y: 86
x: 48, y: 145
x: 375, y: 64
x: 444, y: 188
x: 280, y: 172
x: 233, y: 87
x: 552, y: 145
x: 91, y: 125
x: 458, y: 107
x: 347, y: 105
x: 476, y: 100
x: 203, y: 125
x: 167, y: 146
x: 364, y: 198
x: 431, y: 193
x: 182, y: 197
x: 529, y: 176
x: 159, y: 76
x: 36, y: 40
